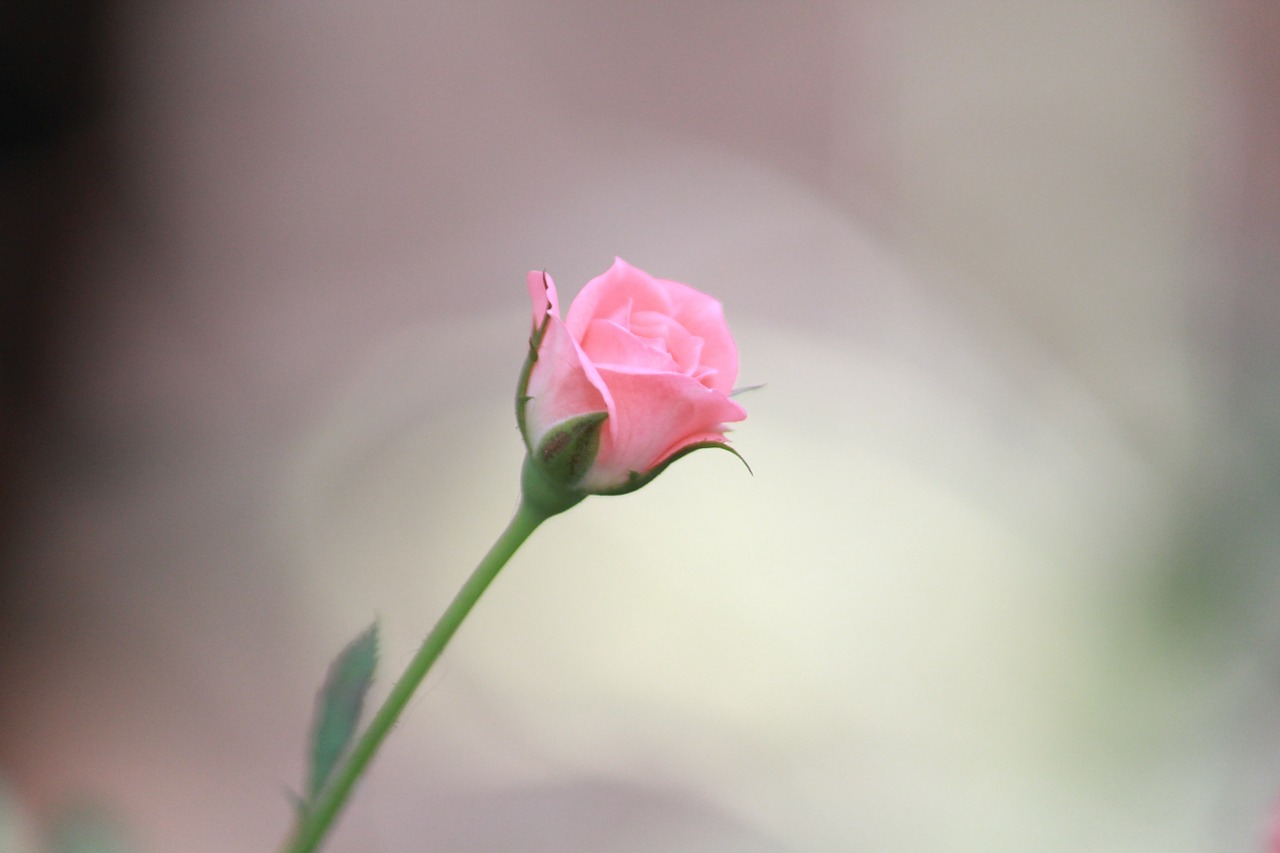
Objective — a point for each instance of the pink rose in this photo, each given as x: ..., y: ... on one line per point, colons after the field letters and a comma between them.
x: 637, y: 375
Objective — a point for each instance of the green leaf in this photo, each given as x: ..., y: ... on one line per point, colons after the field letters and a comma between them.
x: 338, y: 706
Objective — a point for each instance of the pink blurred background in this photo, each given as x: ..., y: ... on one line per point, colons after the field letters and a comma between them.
x: 1005, y: 577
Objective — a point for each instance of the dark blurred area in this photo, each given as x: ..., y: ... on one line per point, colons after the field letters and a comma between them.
x: 55, y: 127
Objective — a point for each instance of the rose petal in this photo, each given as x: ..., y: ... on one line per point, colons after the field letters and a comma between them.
x: 655, y: 414
x: 685, y: 348
x: 624, y: 290
x: 562, y: 384
x: 616, y: 293
x: 607, y: 343
x: 702, y: 316
x: 542, y: 294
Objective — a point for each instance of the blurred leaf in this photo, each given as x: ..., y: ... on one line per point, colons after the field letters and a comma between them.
x: 338, y: 706
x: 88, y: 829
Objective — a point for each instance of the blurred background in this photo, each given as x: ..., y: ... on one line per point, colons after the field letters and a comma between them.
x: 1006, y: 574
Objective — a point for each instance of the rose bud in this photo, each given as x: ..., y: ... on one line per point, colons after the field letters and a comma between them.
x: 638, y: 374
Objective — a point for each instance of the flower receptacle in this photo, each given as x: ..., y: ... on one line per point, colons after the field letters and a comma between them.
x: 543, y: 496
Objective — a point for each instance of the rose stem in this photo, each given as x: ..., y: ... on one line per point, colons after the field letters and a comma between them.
x: 313, y: 825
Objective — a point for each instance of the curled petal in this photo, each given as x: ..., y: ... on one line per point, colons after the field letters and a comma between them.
x: 542, y: 295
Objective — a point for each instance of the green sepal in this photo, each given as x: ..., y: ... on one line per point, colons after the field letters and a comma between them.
x: 636, y: 480
x: 568, y: 450
x: 543, y: 497
x: 338, y: 707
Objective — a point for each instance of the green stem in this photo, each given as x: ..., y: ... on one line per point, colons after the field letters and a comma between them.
x: 317, y: 819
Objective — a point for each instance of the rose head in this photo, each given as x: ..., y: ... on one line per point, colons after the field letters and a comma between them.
x: 638, y: 374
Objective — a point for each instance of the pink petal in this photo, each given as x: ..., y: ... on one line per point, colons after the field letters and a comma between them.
x: 685, y: 349
x: 702, y: 316
x: 607, y: 343
x: 542, y: 293
x: 563, y: 383
x: 624, y: 290
x: 615, y: 293
x: 653, y: 415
